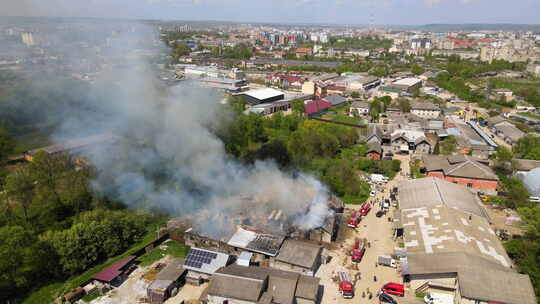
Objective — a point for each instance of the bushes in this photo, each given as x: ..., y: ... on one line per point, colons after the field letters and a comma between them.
x: 95, y: 236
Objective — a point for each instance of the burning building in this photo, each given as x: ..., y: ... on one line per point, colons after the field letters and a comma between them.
x: 264, y: 233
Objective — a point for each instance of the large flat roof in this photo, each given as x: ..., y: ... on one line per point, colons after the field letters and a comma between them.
x: 432, y: 192
x: 478, y: 278
x: 264, y: 93
x: 407, y: 81
x: 434, y: 230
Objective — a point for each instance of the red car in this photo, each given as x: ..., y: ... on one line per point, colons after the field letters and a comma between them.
x: 366, y: 207
x: 394, y: 289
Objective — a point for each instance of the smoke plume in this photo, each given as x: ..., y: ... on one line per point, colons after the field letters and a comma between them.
x: 168, y: 158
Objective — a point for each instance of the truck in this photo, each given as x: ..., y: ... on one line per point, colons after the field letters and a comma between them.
x: 378, y: 178
x: 438, y: 298
x: 358, y: 251
x: 386, y: 260
x: 355, y: 219
x: 364, y: 210
x: 346, y: 287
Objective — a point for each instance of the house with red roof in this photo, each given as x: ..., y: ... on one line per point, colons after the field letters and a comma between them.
x: 312, y: 107
x: 460, y: 43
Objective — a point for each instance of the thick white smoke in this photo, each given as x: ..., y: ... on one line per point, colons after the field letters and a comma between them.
x: 169, y: 159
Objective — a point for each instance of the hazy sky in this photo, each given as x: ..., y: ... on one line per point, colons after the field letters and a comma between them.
x: 296, y: 11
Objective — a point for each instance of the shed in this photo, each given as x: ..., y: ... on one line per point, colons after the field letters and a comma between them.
x: 116, y: 273
x: 167, y: 282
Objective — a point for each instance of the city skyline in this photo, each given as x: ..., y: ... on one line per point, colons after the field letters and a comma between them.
x: 387, y: 12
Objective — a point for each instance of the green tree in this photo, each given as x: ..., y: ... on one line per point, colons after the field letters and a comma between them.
x: 504, y: 158
x: 417, y: 69
x: 24, y: 261
x: 404, y: 105
x: 7, y: 144
x: 448, y: 146
x: 19, y: 188
x: 297, y: 106
x: 528, y: 147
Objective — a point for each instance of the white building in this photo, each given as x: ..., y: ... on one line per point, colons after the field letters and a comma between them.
x: 425, y: 110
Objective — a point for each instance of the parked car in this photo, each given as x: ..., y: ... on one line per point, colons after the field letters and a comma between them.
x: 380, y: 213
x: 386, y: 298
x: 372, y: 193
x: 394, y: 289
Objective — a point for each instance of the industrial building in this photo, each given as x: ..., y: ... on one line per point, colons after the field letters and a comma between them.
x: 451, y: 248
x: 239, y: 284
x: 407, y: 84
x: 265, y: 95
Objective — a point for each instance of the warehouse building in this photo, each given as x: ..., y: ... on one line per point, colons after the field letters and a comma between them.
x: 451, y: 247
x: 265, y: 95
x: 407, y: 84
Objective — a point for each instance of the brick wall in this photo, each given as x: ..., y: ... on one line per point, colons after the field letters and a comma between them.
x: 477, y: 184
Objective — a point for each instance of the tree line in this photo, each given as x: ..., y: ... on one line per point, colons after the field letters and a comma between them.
x: 331, y: 152
x: 53, y: 226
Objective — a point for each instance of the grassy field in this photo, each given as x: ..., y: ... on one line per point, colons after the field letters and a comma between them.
x: 508, y: 84
x: 174, y: 249
x: 47, y: 293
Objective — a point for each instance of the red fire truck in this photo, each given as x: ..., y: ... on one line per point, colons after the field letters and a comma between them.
x: 346, y: 287
x: 358, y: 251
x: 355, y: 219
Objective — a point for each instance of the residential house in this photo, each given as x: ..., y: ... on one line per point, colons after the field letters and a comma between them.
x: 411, y: 141
x: 508, y: 131
x: 374, y: 150
x: 359, y: 108
x: 465, y: 170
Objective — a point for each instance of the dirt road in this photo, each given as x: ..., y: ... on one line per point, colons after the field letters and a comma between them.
x: 378, y: 231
